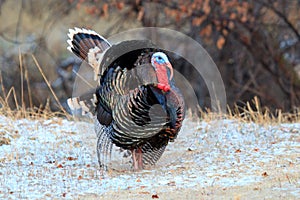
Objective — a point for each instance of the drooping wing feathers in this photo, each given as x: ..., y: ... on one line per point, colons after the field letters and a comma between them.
x: 88, y: 45
x: 104, y: 144
x: 85, y: 103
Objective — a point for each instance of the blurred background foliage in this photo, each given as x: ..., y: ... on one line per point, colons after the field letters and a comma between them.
x: 254, y: 43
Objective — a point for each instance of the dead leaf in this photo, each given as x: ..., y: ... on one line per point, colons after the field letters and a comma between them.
x: 4, y: 140
x: 206, y: 7
x: 141, y: 14
x: 183, y: 8
x: 178, y: 16
x: 220, y: 42
x: 265, y: 174
x: 71, y: 158
x: 206, y: 31
x: 120, y: 5
x: 105, y: 9
x: 155, y: 196
x: 59, y: 166
x: 238, y: 151
x: 144, y: 192
x: 197, y: 21
x: 233, y: 16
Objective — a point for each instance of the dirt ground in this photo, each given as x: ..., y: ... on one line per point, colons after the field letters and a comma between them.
x: 223, y: 159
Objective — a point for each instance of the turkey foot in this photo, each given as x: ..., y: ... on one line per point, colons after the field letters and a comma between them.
x: 137, y: 157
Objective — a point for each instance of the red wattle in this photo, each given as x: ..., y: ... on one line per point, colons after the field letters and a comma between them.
x: 162, y: 77
x: 163, y: 87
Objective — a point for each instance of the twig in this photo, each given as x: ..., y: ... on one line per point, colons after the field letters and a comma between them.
x: 19, y: 20
x: 2, y: 85
x: 49, y: 86
x: 22, y: 80
x: 288, y: 178
x: 282, y: 16
x: 12, y: 90
x: 28, y: 86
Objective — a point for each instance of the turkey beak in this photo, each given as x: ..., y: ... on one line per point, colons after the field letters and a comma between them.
x: 171, y: 69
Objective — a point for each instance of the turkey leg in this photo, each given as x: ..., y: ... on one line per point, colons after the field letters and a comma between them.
x: 137, y: 157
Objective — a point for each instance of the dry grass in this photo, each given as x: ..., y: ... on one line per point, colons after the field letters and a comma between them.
x: 253, y: 112
x: 18, y: 109
x: 250, y: 112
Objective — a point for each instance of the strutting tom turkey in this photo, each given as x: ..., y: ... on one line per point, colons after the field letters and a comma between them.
x: 137, y: 106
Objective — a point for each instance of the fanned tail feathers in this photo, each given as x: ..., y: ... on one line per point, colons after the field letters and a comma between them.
x: 84, y: 104
x: 87, y: 45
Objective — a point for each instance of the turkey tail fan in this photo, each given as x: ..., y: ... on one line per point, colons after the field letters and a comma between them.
x: 87, y: 45
x: 83, y: 105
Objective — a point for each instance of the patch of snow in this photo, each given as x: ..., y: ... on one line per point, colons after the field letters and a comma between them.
x: 57, y: 158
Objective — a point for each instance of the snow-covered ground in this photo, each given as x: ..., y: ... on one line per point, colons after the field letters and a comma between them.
x: 56, y: 158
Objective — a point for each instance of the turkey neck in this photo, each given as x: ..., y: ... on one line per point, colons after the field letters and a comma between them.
x: 162, y: 77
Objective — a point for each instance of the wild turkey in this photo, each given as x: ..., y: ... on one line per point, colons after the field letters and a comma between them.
x: 138, y: 107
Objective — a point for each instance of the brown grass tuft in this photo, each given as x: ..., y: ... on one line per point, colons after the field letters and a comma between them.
x: 253, y: 112
x: 250, y: 112
x: 19, y: 110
